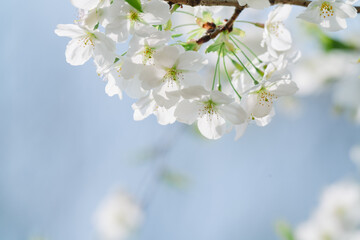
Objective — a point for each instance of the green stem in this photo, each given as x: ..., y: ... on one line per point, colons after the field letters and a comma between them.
x: 248, y: 49
x: 253, y: 23
x: 228, y: 77
x: 184, y: 25
x: 185, y: 13
x: 216, y: 67
x: 256, y: 68
x: 242, y: 64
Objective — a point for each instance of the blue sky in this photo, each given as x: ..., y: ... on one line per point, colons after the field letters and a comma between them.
x: 64, y: 144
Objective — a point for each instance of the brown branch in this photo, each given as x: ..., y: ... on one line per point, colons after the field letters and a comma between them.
x: 214, y: 32
x: 234, y: 3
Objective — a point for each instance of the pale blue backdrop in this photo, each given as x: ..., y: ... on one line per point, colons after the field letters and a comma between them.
x: 64, y: 144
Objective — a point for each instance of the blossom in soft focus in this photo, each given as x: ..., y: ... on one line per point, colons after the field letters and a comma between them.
x: 118, y: 216
x: 330, y: 14
x: 337, y: 216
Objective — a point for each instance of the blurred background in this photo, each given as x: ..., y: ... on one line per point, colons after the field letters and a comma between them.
x: 64, y: 145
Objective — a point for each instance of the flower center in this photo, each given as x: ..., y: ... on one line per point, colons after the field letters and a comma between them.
x: 274, y: 27
x: 172, y: 75
x: 326, y: 10
x: 88, y: 40
x: 266, y: 98
x: 208, y: 109
x: 134, y: 16
x: 148, y: 54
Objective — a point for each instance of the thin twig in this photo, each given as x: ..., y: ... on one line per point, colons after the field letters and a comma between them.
x: 213, y: 33
x: 234, y: 3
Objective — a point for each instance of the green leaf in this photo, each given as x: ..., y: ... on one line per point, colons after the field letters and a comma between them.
x: 237, y: 65
x: 174, y: 179
x: 285, y: 231
x: 174, y: 8
x: 168, y: 25
x: 96, y: 26
x: 238, y: 32
x: 135, y: 4
x: 176, y: 35
x: 328, y: 43
x: 190, y: 46
x: 116, y: 60
x: 213, y: 47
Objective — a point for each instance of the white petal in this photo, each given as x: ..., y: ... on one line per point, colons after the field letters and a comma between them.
x: 118, y: 30
x: 69, y: 30
x: 191, y: 61
x: 130, y: 69
x: 346, y: 10
x: 156, y: 12
x: 233, y: 113
x: 143, y: 108
x: 111, y: 88
x: 187, y: 112
x: 240, y: 130
x: 280, y: 13
x: 220, y: 97
x: 77, y: 53
x: 150, y: 78
x: 284, y: 88
x: 194, y: 92
x: 212, y: 126
x: 262, y: 122
x: 167, y: 56
x: 165, y: 116
x: 85, y: 4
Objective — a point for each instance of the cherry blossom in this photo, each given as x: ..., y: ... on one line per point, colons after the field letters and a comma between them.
x: 330, y: 14
x: 84, y: 44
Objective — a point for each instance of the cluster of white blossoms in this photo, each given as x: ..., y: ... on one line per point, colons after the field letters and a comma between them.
x: 337, y: 216
x: 137, y: 50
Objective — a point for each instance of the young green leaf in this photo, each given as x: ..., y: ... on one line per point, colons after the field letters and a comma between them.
x: 190, y: 46
x: 135, y: 4
x: 213, y: 47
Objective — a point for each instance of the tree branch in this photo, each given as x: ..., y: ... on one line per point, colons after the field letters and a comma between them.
x: 234, y: 3
x: 213, y: 32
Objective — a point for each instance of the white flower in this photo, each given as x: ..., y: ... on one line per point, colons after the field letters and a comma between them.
x: 243, y: 84
x: 173, y: 69
x: 276, y: 36
x: 130, y: 20
x: 212, y: 111
x: 330, y: 14
x: 257, y: 4
x: 312, y: 74
x: 117, y: 217
x: 338, y: 215
x: 120, y: 77
x: 85, y: 43
x: 103, y: 14
x: 142, y: 48
x: 262, y: 96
